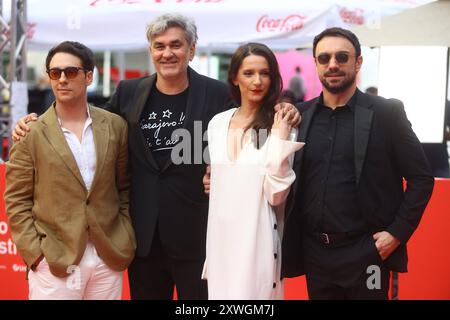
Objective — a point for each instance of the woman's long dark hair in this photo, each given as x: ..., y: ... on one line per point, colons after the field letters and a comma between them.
x: 264, y: 118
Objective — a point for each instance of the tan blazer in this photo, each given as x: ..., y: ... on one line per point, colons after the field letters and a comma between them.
x: 49, y: 209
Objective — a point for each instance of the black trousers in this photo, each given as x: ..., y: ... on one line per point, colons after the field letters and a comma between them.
x: 154, y: 277
x: 354, y: 271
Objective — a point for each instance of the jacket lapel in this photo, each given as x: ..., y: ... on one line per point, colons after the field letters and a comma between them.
x: 196, y: 98
x: 304, y: 126
x: 363, y: 124
x: 101, y: 141
x: 141, y: 96
x: 307, y: 116
x: 54, y: 135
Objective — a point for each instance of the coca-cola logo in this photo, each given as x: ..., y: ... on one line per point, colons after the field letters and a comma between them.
x: 355, y: 16
x: 290, y: 23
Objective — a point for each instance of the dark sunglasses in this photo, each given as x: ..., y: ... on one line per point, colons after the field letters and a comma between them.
x: 341, y: 57
x: 70, y: 72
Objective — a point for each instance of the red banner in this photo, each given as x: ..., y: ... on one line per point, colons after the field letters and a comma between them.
x: 429, y: 261
x: 12, y: 268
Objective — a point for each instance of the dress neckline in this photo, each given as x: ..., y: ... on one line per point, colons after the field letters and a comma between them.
x: 244, y: 145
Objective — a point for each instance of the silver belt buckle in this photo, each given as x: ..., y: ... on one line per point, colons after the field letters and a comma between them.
x: 325, y: 237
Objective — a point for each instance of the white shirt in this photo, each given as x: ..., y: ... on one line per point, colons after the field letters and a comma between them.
x: 84, y: 151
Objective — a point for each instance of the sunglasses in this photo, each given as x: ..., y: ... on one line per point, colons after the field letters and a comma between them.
x: 70, y: 72
x: 341, y: 57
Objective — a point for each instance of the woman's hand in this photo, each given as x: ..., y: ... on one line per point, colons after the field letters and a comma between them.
x: 289, y: 109
x: 281, y: 127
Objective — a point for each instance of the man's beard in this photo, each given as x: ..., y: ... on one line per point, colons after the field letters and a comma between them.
x: 344, y: 85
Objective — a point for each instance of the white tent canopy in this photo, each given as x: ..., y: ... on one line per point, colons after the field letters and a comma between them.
x: 120, y: 24
x: 425, y: 25
x: 413, y: 63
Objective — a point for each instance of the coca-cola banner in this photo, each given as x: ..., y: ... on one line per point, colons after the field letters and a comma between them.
x: 120, y: 24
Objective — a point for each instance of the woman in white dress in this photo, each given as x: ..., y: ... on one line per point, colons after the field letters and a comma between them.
x: 251, y: 150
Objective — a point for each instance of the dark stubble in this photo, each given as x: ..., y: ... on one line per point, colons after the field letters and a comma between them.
x: 349, y: 80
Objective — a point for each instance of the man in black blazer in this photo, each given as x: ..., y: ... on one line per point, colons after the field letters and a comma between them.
x: 349, y: 217
x: 167, y: 204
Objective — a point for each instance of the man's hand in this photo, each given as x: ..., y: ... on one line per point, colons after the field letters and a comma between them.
x: 291, y: 111
x: 207, y: 179
x: 386, y: 243
x: 21, y: 128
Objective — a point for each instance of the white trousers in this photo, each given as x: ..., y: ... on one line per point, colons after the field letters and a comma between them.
x: 92, y: 279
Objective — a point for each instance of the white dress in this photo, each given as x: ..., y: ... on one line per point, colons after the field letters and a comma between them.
x: 246, y: 212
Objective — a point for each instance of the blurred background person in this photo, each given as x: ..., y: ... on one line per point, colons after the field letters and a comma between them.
x: 372, y: 91
x: 287, y: 96
x: 297, y: 85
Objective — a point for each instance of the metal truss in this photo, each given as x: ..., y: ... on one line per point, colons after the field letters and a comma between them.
x: 13, y: 66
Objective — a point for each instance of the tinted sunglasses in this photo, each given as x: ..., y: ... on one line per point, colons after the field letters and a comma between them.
x: 341, y: 57
x: 70, y: 72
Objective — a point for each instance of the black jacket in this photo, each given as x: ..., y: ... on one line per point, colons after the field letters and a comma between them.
x: 171, y: 196
x: 386, y: 151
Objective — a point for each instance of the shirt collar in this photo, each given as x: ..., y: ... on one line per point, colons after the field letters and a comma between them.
x: 88, y: 120
x: 351, y: 103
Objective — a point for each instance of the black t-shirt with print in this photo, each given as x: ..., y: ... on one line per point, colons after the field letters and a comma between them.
x: 162, y: 115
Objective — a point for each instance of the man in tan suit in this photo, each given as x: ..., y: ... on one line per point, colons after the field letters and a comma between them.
x: 67, y: 189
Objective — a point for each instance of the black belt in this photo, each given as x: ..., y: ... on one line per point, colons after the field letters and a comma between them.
x: 331, y: 239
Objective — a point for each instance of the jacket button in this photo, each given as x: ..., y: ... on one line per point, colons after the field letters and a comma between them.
x: 274, y: 285
x: 87, y: 201
x: 275, y: 255
x: 275, y: 226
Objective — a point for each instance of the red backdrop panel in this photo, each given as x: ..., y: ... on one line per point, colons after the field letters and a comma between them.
x: 428, y: 274
x: 429, y: 258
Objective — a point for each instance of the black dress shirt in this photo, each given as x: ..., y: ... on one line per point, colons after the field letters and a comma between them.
x: 329, y: 199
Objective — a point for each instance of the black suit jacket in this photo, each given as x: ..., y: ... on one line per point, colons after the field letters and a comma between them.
x: 171, y: 196
x: 386, y: 151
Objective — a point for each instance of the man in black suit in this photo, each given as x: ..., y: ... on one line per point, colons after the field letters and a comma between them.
x: 167, y: 205
x: 348, y: 217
